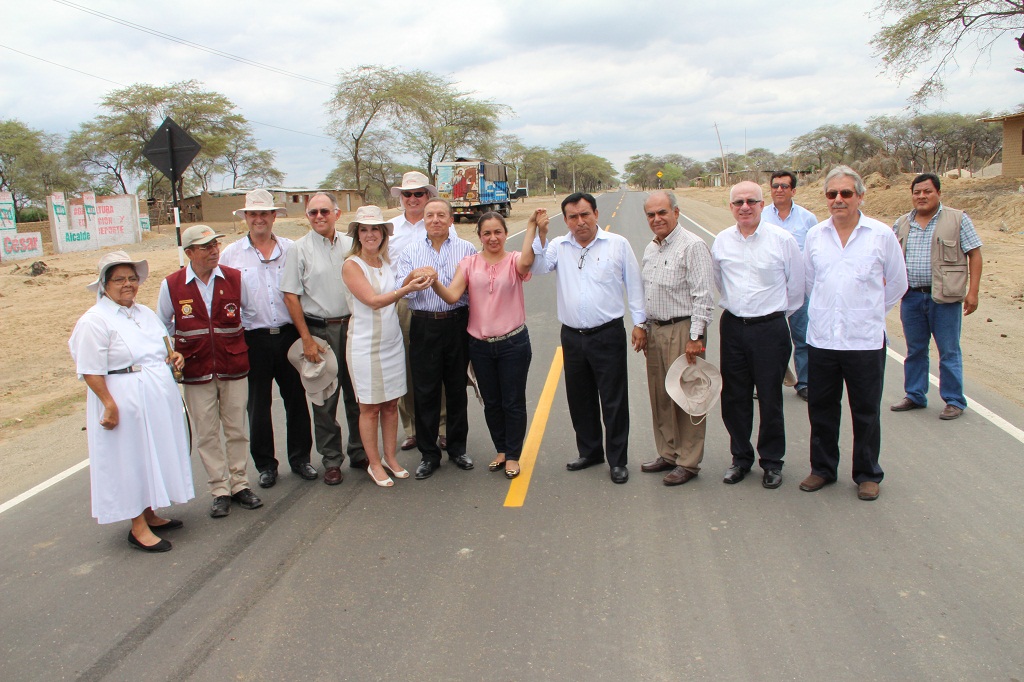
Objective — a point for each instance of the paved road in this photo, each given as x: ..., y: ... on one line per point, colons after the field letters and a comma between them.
x: 439, y: 580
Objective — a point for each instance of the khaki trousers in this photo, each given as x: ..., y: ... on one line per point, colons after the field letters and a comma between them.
x: 211, y: 407
x: 676, y: 437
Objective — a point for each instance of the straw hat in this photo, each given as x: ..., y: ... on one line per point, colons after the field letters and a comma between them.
x: 198, y: 235
x: 117, y: 258
x: 695, y: 388
x: 320, y: 379
x: 261, y: 200
x: 368, y: 215
x: 414, y: 180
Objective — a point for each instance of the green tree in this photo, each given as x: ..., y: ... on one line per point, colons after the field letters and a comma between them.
x: 32, y: 164
x: 933, y: 32
x: 447, y: 122
x: 249, y: 166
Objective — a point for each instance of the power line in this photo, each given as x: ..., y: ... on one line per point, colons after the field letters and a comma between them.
x: 189, y: 43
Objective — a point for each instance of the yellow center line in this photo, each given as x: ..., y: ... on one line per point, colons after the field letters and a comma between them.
x: 531, y: 447
x: 614, y: 212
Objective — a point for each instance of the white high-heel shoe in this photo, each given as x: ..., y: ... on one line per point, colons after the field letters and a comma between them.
x: 386, y: 483
x: 397, y: 473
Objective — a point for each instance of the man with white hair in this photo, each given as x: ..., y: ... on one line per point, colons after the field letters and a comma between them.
x: 760, y: 275
x: 269, y: 333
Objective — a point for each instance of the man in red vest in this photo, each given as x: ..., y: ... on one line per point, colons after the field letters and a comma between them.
x: 201, y: 306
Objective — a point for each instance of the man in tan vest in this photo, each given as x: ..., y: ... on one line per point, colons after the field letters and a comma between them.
x: 943, y: 255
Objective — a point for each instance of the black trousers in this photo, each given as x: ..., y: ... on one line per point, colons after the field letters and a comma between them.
x: 863, y: 372
x: 754, y: 355
x: 596, y: 385
x: 268, y: 362
x: 439, y: 351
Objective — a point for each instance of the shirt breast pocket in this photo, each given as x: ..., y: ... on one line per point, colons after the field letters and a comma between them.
x: 670, y: 273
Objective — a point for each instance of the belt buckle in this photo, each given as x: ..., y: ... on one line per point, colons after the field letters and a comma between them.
x: 274, y: 330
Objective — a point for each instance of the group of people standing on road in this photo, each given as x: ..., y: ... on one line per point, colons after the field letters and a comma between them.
x: 406, y: 307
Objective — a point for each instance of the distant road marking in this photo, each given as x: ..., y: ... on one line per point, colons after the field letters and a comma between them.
x: 531, y: 447
x: 706, y: 230
x: 13, y: 502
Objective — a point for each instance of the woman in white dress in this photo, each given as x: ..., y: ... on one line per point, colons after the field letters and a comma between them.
x: 138, y: 444
x: 374, y: 350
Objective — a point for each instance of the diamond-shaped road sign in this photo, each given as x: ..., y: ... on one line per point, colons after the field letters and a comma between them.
x: 171, y: 149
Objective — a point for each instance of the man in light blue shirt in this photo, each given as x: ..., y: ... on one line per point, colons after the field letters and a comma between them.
x: 796, y: 220
x: 592, y: 268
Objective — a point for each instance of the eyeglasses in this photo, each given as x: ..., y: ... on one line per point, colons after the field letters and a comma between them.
x: 779, y: 185
x: 418, y: 193
x: 749, y: 202
x: 583, y: 258
x: 314, y: 212
x: 121, y: 280
x: 206, y: 247
x: 831, y: 194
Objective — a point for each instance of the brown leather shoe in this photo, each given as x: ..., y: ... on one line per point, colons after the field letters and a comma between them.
x: 333, y: 476
x: 442, y: 442
x: 950, y: 412
x: 905, y: 405
x: 868, y: 490
x: 409, y: 443
x: 678, y: 476
x: 660, y: 464
x: 813, y: 483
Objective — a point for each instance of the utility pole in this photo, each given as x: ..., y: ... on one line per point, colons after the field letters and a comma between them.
x: 725, y: 169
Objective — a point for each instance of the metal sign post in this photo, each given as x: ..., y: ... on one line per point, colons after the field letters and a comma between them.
x: 171, y: 150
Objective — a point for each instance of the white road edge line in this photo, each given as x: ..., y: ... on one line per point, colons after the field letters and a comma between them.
x: 988, y: 414
x: 43, y: 486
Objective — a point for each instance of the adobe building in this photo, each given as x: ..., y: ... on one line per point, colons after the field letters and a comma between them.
x: 218, y: 206
x: 1013, y: 143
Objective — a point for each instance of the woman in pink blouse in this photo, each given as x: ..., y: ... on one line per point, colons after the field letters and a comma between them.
x: 499, y: 344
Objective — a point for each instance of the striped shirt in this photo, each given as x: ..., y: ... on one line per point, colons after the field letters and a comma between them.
x: 677, y: 279
x: 261, y: 280
x: 919, y: 246
x: 420, y: 254
x: 797, y: 223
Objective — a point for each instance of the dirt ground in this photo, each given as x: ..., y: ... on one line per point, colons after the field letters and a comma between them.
x: 38, y: 386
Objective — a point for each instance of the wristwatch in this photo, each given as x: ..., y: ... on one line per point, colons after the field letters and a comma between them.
x: 695, y: 337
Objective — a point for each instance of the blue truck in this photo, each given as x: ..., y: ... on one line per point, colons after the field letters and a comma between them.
x: 473, y: 187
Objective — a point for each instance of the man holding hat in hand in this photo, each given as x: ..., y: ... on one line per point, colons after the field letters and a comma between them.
x: 677, y: 276
x: 269, y: 332
x: 201, y: 306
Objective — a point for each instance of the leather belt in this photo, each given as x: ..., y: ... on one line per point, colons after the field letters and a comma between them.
x: 446, y: 315
x: 263, y: 331
x: 324, y: 321
x: 495, y: 339
x: 757, y: 320
x: 923, y: 290
x: 126, y: 370
x: 662, y: 323
x: 594, y: 330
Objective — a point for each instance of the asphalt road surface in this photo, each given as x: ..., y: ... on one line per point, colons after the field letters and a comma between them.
x: 559, y: 575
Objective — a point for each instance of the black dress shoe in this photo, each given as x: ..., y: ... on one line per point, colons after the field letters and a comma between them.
x: 361, y: 463
x: 307, y: 471
x: 426, y: 469
x: 582, y: 463
x: 734, y: 474
x: 772, y: 478
x: 619, y: 475
x: 172, y: 524
x: 268, y: 478
x: 463, y: 462
x: 221, y: 506
x: 247, y: 499
x: 162, y: 546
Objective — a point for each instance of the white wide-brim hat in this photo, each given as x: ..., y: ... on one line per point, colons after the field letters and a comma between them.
x: 117, y: 258
x: 695, y: 388
x: 414, y: 180
x: 261, y: 200
x: 369, y: 215
x: 320, y: 379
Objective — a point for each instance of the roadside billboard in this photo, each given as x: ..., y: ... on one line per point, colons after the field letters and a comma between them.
x: 7, y: 215
x: 68, y: 236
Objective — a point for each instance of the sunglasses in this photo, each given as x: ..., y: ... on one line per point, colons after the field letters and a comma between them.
x: 749, y: 202
x: 314, y: 212
x: 779, y: 185
x: 844, y: 193
x: 418, y: 193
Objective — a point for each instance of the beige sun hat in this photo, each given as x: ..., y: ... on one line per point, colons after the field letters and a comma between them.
x: 198, y: 235
x: 414, y: 180
x: 261, y: 200
x: 320, y: 379
x: 695, y: 388
x: 117, y: 258
x: 369, y: 215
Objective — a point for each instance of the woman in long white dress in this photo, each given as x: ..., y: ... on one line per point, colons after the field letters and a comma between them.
x: 138, y: 444
x: 374, y: 350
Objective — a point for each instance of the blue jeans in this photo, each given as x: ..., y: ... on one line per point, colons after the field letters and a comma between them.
x: 501, y: 369
x: 923, y: 319
x: 798, y: 332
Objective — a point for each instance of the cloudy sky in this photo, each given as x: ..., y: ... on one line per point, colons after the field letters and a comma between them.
x: 625, y: 77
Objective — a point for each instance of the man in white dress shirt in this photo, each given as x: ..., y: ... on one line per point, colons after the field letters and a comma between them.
x: 593, y: 268
x: 760, y: 275
x: 855, y: 274
x: 269, y: 333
